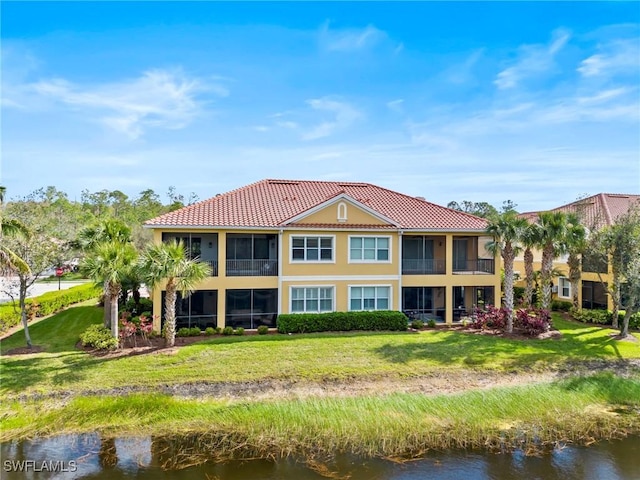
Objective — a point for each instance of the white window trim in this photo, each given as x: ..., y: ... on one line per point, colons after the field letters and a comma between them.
x: 560, y: 295
x: 390, y: 287
x: 389, y: 238
x: 333, y: 297
x: 333, y: 249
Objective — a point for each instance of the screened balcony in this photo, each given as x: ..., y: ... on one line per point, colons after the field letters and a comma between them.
x: 252, y: 255
x: 203, y: 247
x: 470, y: 256
x: 423, y: 255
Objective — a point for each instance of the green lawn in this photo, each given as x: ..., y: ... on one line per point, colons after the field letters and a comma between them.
x: 315, y: 357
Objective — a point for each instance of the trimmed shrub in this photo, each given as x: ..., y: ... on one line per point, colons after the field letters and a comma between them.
x: 239, y: 331
x: 209, y: 331
x: 533, y: 322
x: 561, y: 306
x: 600, y: 317
x: 183, y: 332
x: 195, y: 331
x: 227, y: 331
x: 342, y: 321
x: 263, y: 330
x: 431, y: 323
x: 417, y: 324
x: 98, y: 336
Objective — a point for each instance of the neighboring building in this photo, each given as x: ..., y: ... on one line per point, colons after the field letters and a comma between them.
x: 282, y: 246
x: 595, y: 212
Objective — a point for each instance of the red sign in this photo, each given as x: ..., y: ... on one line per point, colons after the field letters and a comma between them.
x: 59, y: 272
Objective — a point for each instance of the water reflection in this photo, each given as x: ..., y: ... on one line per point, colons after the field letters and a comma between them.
x: 95, y: 457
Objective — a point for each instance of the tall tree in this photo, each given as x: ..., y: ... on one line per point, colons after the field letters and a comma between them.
x: 529, y: 241
x: 551, y: 231
x: 507, y: 231
x: 170, y: 263
x: 575, y: 245
x: 621, y: 243
x: 9, y: 260
x: 109, y: 263
x: 108, y: 230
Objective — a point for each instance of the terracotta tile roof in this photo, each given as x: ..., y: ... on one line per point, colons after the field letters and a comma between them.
x: 270, y: 203
x: 598, y: 210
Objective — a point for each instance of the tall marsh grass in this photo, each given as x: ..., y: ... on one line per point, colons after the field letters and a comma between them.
x: 578, y: 410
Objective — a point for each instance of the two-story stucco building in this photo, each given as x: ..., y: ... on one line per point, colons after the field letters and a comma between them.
x: 595, y: 212
x: 283, y: 246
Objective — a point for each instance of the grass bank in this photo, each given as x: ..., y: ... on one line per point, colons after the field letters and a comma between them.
x: 576, y: 410
x: 312, y: 357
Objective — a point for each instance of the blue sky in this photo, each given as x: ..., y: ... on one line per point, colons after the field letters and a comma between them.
x: 534, y: 102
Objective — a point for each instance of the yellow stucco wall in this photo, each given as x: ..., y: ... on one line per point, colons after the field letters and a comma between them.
x: 340, y: 272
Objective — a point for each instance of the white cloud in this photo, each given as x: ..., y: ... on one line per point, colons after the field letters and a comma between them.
x: 532, y: 60
x: 157, y: 99
x: 344, y: 115
x: 619, y: 56
x: 396, y: 105
x: 350, y: 39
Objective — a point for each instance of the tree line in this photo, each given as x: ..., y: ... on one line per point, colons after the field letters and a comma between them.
x: 45, y: 229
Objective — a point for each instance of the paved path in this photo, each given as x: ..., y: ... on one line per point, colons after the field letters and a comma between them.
x: 37, y: 288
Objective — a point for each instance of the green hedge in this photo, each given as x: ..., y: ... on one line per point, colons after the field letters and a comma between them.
x: 48, y: 303
x: 605, y: 317
x: 561, y: 305
x: 341, y: 321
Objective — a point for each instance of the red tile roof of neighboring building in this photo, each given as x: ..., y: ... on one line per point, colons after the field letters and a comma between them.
x: 270, y: 203
x: 598, y: 210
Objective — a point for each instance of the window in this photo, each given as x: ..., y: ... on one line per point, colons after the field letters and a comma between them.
x: 312, y: 249
x: 369, y: 298
x: 564, y: 287
x: 311, y: 299
x: 369, y: 249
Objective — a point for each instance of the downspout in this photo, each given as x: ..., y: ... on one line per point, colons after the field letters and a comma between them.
x: 280, y: 264
x: 400, y: 232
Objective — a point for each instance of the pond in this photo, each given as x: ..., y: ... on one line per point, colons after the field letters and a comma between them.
x: 89, y: 456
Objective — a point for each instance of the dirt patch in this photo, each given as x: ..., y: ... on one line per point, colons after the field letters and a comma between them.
x: 24, y: 350
x: 438, y: 382
x: 624, y: 338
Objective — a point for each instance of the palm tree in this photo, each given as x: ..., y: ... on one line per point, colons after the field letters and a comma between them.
x: 507, y: 231
x: 9, y: 260
x: 170, y: 262
x: 106, y: 230
x: 529, y: 241
x: 575, y: 244
x: 109, y: 263
x: 551, y: 231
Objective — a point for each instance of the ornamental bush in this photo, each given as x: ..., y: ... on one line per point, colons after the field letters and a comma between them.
x: 601, y: 317
x: 533, y: 321
x: 227, y: 331
x: 263, y: 330
x: 561, y: 306
x: 183, y: 332
x: 490, y: 318
x: 342, y: 321
x: 99, y: 337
